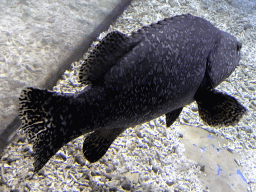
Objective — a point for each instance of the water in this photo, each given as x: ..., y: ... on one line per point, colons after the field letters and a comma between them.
x: 150, y: 157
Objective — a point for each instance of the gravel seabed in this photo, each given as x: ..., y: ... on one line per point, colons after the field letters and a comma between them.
x: 150, y: 157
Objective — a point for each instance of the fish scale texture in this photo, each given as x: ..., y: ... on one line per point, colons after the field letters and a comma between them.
x: 132, y: 79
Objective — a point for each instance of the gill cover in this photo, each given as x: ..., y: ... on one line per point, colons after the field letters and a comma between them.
x: 223, y: 59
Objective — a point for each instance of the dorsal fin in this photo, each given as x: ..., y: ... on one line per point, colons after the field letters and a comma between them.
x: 160, y: 24
x: 104, y: 56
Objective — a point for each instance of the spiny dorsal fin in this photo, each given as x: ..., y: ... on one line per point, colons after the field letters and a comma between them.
x: 159, y: 25
x: 97, y: 143
x: 114, y: 46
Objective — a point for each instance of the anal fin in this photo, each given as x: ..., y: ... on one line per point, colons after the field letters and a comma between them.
x: 97, y: 143
x: 172, y: 116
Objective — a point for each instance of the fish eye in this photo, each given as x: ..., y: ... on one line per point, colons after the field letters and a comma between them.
x: 239, y: 46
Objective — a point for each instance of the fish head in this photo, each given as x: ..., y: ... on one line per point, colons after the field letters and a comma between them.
x: 223, y: 59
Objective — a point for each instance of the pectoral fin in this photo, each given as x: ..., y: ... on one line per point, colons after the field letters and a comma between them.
x: 172, y: 116
x: 216, y: 108
x: 97, y: 143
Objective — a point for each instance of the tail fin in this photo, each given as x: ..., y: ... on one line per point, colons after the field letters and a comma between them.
x: 46, y: 117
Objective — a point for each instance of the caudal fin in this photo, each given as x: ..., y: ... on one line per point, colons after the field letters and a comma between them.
x: 46, y: 119
x: 216, y: 108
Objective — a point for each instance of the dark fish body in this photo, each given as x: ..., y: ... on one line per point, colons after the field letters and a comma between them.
x: 161, y: 73
x: 132, y: 79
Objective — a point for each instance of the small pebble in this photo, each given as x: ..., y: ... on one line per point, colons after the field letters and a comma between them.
x: 126, y: 184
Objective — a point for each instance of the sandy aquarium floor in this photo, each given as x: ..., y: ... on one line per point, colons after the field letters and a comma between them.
x: 188, y: 156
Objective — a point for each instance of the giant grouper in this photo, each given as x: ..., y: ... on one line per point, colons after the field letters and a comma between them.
x: 132, y: 79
